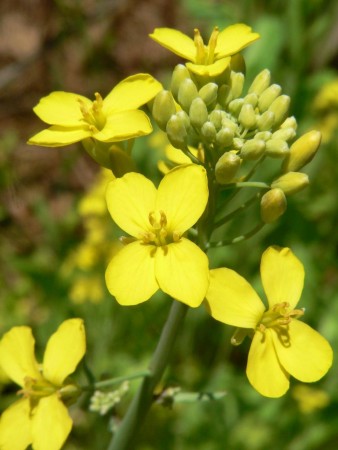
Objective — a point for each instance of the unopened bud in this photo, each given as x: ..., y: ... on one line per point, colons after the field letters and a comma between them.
x: 265, y: 135
x: 216, y: 118
x: 237, y: 143
x: 198, y: 112
x: 163, y: 108
x: 291, y: 182
x: 224, y: 95
x: 268, y: 96
x: 182, y: 115
x: 252, y: 99
x: 237, y: 82
x: 277, y: 148
x: 284, y: 133
x: 187, y: 92
x: 265, y: 121
x: 224, y: 137
x: 208, y: 130
x: 289, y: 122
x: 235, y: 106
x: 227, y: 123
x: 208, y: 93
x: 227, y: 167
x: 273, y: 205
x: 180, y: 73
x: 253, y: 149
x: 280, y: 108
x: 247, y: 116
x: 260, y: 83
x: 176, y: 132
x: 302, y: 151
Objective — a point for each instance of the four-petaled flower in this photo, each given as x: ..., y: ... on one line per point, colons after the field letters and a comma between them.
x: 206, y: 60
x: 281, y: 344
x: 158, y: 255
x: 40, y: 418
x: 115, y: 118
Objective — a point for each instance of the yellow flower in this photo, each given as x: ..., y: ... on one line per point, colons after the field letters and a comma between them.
x: 75, y: 118
x: 206, y: 60
x: 310, y: 399
x: 281, y: 344
x: 40, y: 418
x: 158, y: 255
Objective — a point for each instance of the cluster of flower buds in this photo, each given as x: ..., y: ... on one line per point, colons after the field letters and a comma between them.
x: 237, y: 129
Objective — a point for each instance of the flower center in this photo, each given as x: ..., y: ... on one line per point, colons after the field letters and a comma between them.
x: 93, y: 115
x: 279, y: 315
x: 159, y: 234
x: 36, y: 389
x: 205, y: 53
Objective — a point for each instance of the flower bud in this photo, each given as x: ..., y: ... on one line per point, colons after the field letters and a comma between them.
x: 208, y: 93
x: 224, y: 95
x: 227, y: 123
x: 198, y: 112
x: 224, y: 137
x: 227, y: 167
x: 284, y: 133
x: 247, y: 116
x: 265, y: 121
x: 182, y: 115
x: 268, y: 96
x: 237, y: 82
x: 265, y: 135
x: 237, y: 143
x: 302, y: 151
x: 260, y: 83
x: 290, y: 122
x: 235, y: 106
x: 163, y: 108
x: 291, y: 182
x: 273, y: 205
x: 208, y: 131
x: 216, y: 118
x: 176, y: 132
x: 280, y: 108
x: 277, y: 148
x: 180, y: 73
x: 253, y: 149
x: 187, y: 92
x: 252, y: 99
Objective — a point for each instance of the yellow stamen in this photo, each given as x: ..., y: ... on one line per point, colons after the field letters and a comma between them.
x: 212, y: 45
x: 200, y: 47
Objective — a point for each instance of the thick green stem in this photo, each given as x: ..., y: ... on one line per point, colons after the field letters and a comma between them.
x: 143, y: 399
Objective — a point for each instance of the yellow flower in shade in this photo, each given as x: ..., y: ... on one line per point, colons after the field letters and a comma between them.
x: 115, y: 118
x: 282, y: 345
x: 159, y: 256
x: 206, y: 60
x: 40, y: 417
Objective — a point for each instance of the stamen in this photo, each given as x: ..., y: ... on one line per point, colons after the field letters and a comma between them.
x: 200, y: 47
x: 212, y: 45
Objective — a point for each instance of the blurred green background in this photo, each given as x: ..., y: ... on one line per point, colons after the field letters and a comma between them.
x: 54, y: 229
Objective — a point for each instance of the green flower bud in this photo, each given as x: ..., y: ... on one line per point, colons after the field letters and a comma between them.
x: 182, y: 115
x: 265, y: 121
x: 208, y: 93
x: 180, y: 73
x: 253, y: 149
x: 247, y: 116
x: 260, y: 83
x: 277, y: 148
x: 235, y: 106
x: 290, y: 122
x: 284, y: 133
x: 224, y: 137
x: 198, y: 112
x: 265, y: 135
x: 237, y: 82
x: 227, y: 167
x: 273, y: 205
x: 291, y: 182
x: 177, y: 133
x: 252, y: 99
x: 224, y: 95
x: 163, y: 108
x: 187, y: 92
x: 280, y: 108
x: 237, y: 143
x: 216, y: 118
x: 302, y: 151
x: 208, y: 131
x: 268, y: 96
x: 227, y: 123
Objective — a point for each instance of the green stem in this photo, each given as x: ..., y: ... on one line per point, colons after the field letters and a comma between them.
x: 143, y: 399
x: 238, y: 210
x: 253, y: 184
x: 116, y: 380
x: 238, y: 239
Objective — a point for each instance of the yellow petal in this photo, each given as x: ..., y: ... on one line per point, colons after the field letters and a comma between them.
x: 124, y: 125
x: 282, y: 276
x: 57, y: 136
x: 182, y: 272
x: 233, y: 39
x: 210, y: 70
x: 130, y: 275
x: 61, y: 108
x: 65, y: 349
x: 264, y: 371
x: 15, y: 427
x: 17, y: 355
x: 306, y: 355
x: 232, y: 300
x: 130, y: 199
x: 131, y: 93
x: 183, y: 195
x: 175, y: 41
x: 177, y: 156
x: 51, y: 424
